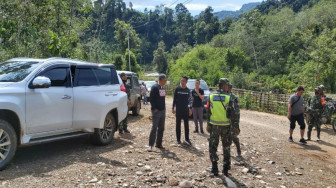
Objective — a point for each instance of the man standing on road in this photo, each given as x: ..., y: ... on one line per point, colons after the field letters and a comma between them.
x: 221, y: 116
x: 182, y: 101
x: 295, y: 113
x: 123, y: 124
x: 197, y: 106
x: 144, y: 92
x: 235, y: 127
x: 158, y: 103
x: 315, y: 109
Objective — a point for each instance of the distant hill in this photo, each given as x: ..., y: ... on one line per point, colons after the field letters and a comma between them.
x: 246, y: 7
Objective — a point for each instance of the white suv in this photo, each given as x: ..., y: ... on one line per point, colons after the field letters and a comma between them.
x: 43, y: 100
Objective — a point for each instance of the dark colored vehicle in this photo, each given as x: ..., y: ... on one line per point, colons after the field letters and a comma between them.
x: 133, y: 82
x: 204, y: 86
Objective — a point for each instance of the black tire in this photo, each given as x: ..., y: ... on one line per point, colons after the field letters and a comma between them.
x: 105, y: 136
x: 8, y: 143
x: 136, y: 109
x: 334, y: 124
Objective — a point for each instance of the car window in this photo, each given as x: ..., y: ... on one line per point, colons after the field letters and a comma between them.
x: 95, y: 76
x: 86, y: 77
x: 58, y: 77
x: 150, y: 84
x: 16, y: 71
x: 136, y: 81
x: 203, y: 84
x: 114, y: 77
x: 129, y: 81
x: 104, y: 75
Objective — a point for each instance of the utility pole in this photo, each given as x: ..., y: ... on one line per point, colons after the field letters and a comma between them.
x: 129, y: 55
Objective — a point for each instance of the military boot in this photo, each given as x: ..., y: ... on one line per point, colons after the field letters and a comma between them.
x: 214, y: 169
x: 226, y: 172
x: 238, y: 150
x: 308, y: 135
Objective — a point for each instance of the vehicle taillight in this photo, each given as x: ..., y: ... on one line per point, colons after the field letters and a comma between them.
x: 123, y: 88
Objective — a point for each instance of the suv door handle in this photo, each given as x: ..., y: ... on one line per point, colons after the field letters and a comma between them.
x: 111, y: 93
x: 66, y: 97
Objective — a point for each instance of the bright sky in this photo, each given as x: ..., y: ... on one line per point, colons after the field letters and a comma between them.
x: 194, y: 6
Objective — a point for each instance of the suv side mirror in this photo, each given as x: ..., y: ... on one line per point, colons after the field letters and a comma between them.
x: 40, y: 82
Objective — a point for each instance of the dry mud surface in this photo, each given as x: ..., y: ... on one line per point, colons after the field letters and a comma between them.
x: 268, y: 159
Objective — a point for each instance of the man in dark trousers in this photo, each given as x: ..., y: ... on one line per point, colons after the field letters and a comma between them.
x: 183, y: 102
x: 157, y: 101
x: 123, y: 124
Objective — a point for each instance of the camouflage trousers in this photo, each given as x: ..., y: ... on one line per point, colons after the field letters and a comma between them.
x: 123, y: 124
x: 235, y: 140
x: 224, y: 133
x: 314, y: 121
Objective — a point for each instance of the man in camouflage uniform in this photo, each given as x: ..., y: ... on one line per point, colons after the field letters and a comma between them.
x: 123, y: 124
x: 221, y: 116
x: 315, y: 112
x: 235, y: 127
x: 321, y: 90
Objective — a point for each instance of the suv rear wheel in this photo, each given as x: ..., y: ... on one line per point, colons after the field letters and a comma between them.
x: 105, y: 136
x: 8, y: 143
x: 136, y: 109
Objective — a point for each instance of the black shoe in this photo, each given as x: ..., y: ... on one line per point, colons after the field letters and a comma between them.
x: 178, y: 142
x: 302, y: 140
x: 290, y: 139
x: 189, y: 142
x: 308, y: 139
x: 127, y: 131
x: 195, y: 131
x: 214, y: 169
x: 226, y: 172
x: 202, y: 131
x: 159, y: 146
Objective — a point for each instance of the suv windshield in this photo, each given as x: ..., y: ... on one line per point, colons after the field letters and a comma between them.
x: 16, y: 71
x: 150, y: 84
x: 191, y: 84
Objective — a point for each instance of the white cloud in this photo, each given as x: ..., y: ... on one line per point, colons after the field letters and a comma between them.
x: 228, y: 6
x: 201, y: 7
x: 142, y: 7
x: 193, y: 7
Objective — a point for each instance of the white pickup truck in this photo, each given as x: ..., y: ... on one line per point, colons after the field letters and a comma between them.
x: 44, y: 100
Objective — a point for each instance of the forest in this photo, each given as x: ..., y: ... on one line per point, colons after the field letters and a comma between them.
x: 275, y: 47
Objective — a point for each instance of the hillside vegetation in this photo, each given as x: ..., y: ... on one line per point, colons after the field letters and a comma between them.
x: 274, y: 47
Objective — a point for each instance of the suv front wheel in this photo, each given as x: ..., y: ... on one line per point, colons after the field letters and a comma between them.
x: 8, y: 143
x: 105, y: 135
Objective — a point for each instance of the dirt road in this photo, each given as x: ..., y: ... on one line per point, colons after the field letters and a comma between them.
x: 269, y: 160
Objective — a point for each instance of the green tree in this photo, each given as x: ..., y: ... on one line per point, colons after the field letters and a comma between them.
x: 135, y: 67
x: 160, y: 58
x: 118, y: 61
x: 123, y: 33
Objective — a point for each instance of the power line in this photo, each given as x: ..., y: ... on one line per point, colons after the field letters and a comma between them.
x: 173, y: 3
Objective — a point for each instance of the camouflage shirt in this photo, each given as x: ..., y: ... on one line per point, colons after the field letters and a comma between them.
x: 236, y: 117
x: 315, y: 105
